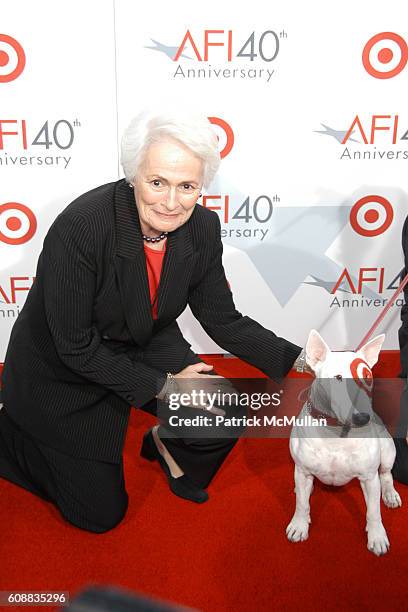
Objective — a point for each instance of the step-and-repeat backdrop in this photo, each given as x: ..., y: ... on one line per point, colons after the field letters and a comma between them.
x: 308, y: 101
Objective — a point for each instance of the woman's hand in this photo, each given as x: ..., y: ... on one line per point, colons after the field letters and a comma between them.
x: 195, y: 371
x: 203, y: 388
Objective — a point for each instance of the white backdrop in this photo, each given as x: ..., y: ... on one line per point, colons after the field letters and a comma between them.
x: 309, y: 107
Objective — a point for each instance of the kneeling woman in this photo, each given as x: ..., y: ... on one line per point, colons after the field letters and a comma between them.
x: 98, y: 331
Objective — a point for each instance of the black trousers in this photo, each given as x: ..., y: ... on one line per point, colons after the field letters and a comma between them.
x: 400, y: 468
x: 91, y: 494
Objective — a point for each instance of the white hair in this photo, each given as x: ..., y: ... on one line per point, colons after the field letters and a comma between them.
x: 192, y: 129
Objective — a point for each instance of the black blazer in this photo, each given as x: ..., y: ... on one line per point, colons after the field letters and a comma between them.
x: 403, y: 331
x: 85, y: 348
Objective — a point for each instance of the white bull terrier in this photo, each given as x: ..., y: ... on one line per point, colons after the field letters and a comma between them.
x: 353, y: 444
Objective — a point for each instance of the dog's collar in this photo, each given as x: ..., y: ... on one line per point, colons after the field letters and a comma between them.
x: 330, y: 420
x: 318, y: 414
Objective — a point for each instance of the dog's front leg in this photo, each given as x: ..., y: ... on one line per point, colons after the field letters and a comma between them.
x: 390, y: 496
x: 377, y: 540
x: 298, y: 528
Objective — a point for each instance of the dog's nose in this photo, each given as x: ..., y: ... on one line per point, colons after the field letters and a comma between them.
x: 360, y: 418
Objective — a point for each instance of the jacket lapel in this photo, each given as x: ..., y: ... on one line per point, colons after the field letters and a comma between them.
x: 176, y: 273
x: 130, y: 265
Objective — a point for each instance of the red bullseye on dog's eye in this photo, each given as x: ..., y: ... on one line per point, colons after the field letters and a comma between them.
x: 362, y: 374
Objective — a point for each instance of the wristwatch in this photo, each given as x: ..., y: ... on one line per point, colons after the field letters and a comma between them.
x: 300, y: 363
x: 169, y: 387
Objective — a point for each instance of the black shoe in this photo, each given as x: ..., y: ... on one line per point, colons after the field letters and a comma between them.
x: 182, y: 486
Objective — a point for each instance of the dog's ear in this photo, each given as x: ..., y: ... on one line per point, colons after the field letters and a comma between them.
x: 316, y: 349
x: 371, y: 350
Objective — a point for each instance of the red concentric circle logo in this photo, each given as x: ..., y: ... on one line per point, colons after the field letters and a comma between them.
x: 228, y: 134
x: 12, y: 58
x: 385, y: 55
x: 371, y: 216
x: 362, y: 374
x: 17, y: 223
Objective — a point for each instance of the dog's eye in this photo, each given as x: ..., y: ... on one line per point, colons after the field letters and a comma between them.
x: 338, y: 377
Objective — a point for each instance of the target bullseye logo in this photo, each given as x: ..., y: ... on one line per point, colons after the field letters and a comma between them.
x: 385, y: 55
x: 362, y: 374
x: 228, y: 134
x: 12, y: 58
x: 17, y: 223
x: 371, y: 216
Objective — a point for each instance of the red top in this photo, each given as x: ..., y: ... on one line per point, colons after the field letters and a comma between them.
x: 154, y: 264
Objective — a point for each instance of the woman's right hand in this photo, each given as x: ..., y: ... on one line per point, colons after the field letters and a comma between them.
x: 196, y: 381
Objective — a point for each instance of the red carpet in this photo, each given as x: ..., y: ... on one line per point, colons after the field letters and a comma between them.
x: 228, y: 554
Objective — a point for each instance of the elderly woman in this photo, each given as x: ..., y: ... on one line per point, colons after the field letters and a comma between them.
x: 98, y: 331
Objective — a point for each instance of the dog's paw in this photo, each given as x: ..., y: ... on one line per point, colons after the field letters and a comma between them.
x: 391, y: 498
x: 377, y: 540
x: 298, y: 529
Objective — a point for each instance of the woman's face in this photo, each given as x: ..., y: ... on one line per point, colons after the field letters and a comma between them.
x: 167, y: 187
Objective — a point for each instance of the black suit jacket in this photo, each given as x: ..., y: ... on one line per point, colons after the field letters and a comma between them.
x: 85, y: 348
x: 403, y: 331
